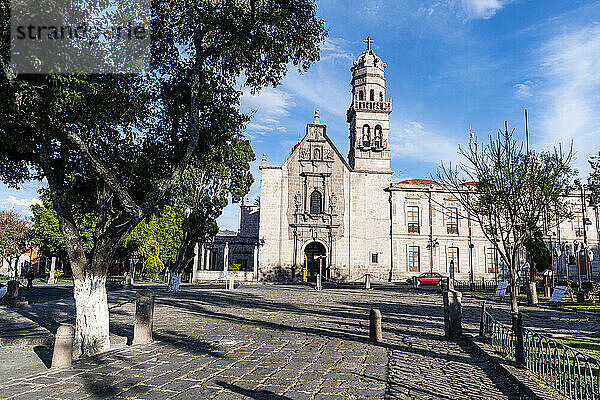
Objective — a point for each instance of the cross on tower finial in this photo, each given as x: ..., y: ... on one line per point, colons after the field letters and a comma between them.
x: 368, y: 41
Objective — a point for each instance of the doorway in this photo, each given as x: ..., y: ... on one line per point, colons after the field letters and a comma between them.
x: 315, y: 261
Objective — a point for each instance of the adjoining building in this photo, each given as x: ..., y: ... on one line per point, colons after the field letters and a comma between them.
x: 321, y: 213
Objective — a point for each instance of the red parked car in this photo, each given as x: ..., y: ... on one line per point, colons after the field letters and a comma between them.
x: 431, y: 278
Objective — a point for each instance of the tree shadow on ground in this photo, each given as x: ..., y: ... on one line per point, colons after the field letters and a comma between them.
x: 252, y: 394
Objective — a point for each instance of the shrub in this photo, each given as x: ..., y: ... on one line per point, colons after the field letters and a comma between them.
x: 235, y: 267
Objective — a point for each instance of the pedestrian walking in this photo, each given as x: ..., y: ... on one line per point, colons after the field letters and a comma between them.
x: 30, y: 277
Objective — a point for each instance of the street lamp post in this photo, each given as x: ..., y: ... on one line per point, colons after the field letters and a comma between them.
x: 432, y: 243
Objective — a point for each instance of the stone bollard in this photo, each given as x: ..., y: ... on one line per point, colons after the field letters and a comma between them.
x: 319, y: 287
x: 144, y: 311
x: 12, y: 289
x: 375, y: 326
x: 368, y: 281
x: 63, y: 346
x: 230, y: 284
x: 453, y: 314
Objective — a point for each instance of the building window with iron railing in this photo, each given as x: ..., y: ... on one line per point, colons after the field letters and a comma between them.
x: 452, y: 221
x: 492, y: 260
x: 453, y: 258
x: 412, y: 217
x: 414, y: 262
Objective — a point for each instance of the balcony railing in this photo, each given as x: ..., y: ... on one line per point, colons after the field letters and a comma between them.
x: 413, y: 228
x: 578, y: 232
x: 373, y: 105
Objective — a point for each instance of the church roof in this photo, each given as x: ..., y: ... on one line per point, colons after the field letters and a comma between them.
x: 420, y: 182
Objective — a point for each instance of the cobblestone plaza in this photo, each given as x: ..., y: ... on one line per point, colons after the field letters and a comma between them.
x: 288, y: 342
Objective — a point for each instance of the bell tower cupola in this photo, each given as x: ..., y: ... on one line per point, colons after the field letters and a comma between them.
x: 368, y: 114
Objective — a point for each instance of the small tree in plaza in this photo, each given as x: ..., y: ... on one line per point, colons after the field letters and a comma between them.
x: 204, y: 189
x: 15, y: 232
x: 510, y: 194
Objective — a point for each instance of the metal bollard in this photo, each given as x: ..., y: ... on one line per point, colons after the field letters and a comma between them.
x: 452, y: 314
x: 482, y: 321
x: 519, y: 342
x: 415, y: 282
x: 319, y: 287
x: 368, y: 281
x: 375, y: 326
x: 144, y: 312
x: 62, y: 354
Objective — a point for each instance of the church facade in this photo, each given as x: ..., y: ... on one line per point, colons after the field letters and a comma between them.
x: 321, y: 213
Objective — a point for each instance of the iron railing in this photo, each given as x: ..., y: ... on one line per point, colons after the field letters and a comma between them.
x: 574, y: 374
x: 475, y: 285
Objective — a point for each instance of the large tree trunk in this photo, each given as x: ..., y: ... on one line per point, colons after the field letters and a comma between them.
x: 91, y: 316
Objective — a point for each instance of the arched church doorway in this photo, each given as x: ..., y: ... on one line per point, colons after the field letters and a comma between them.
x: 315, y: 261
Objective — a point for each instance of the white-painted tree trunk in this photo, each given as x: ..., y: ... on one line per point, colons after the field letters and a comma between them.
x: 174, y: 282
x: 91, y: 319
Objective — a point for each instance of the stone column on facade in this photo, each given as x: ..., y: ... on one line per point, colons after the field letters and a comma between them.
x: 196, y: 261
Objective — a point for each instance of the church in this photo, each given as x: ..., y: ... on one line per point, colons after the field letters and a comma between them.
x: 321, y: 213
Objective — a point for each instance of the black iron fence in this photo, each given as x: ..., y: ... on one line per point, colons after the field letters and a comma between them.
x: 475, y: 285
x: 574, y: 374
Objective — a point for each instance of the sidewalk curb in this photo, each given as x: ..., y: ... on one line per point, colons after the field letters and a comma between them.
x: 516, y: 375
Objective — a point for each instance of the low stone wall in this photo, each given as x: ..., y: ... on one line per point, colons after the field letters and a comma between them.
x: 204, y: 276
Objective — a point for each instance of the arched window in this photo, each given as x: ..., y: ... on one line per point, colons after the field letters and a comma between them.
x: 317, y: 154
x: 372, y: 95
x: 361, y: 95
x: 378, y: 137
x: 316, y: 202
x: 381, y: 97
x: 366, y: 135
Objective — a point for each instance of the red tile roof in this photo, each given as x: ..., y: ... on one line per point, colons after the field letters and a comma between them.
x: 420, y: 182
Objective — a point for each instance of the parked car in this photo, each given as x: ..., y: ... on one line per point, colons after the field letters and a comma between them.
x: 431, y: 278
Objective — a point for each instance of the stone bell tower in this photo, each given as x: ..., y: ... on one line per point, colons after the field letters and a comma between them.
x: 368, y: 114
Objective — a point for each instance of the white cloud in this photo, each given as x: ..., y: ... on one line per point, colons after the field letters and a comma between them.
x: 524, y: 90
x: 267, y: 108
x: 19, y: 205
x: 482, y: 9
x: 570, y: 92
x: 336, y: 48
x: 418, y: 143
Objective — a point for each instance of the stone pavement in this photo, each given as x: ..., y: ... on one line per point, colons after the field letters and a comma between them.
x: 279, y: 342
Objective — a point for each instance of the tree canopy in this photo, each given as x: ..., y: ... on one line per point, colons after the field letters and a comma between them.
x: 114, y: 145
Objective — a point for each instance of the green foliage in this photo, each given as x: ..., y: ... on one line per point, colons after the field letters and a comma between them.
x: 151, y: 265
x: 537, y: 252
x: 46, y: 229
x: 14, y: 234
x: 58, y: 273
x: 159, y: 234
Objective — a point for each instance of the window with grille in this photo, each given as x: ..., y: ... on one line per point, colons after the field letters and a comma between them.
x: 492, y: 260
x: 412, y: 217
x: 413, y: 259
x: 316, y: 202
x: 374, y: 258
x: 452, y: 221
x: 453, y: 257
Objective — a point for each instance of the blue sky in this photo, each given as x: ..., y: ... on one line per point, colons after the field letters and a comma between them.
x: 451, y: 65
